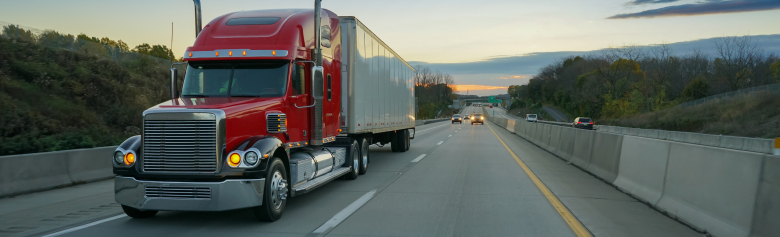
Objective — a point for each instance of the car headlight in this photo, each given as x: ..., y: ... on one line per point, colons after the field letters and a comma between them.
x: 119, y: 157
x: 251, y: 158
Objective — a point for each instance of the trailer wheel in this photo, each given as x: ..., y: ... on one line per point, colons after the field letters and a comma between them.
x: 275, y: 193
x: 408, y: 141
x: 364, y: 155
x: 355, y: 161
x: 135, y: 213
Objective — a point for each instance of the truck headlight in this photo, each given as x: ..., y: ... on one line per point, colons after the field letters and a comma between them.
x: 119, y: 157
x: 251, y: 158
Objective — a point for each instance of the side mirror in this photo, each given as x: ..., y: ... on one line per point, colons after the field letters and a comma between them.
x: 317, y: 83
x: 174, y: 75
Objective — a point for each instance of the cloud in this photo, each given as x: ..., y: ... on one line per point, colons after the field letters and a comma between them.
x: 703, y: 8
x: 479, y: 87
x: 643, y: 2
x: 513, y: 77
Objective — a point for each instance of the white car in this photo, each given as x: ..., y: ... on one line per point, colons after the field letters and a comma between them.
x: 531, y: 117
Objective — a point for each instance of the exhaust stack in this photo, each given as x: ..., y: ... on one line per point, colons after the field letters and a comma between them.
x: 318, y: 85
x: 198, y: 20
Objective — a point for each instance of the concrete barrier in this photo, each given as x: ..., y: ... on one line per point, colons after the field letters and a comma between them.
x: 712, y: 188
x: 546, y: 134
x: 566, y: 143
x: 510, y: 125
x: 633, y: 131
x: 605, y: 160
x: 583, y: 145
x: 555, y: 138
x: 643, y: 167
x: 27, y: 173
x: 676, y: 136
x: 767, y: 212
x: 732, y: 142
x: 758, y: 145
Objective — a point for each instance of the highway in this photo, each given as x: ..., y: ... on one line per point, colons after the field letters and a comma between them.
x: 456, y: 180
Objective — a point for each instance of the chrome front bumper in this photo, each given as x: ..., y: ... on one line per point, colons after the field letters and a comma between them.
x: 188, y: 196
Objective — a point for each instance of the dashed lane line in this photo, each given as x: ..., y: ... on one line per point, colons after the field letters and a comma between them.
x: 418, y: 158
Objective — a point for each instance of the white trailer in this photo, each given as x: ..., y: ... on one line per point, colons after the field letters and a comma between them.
x: 377, y: 87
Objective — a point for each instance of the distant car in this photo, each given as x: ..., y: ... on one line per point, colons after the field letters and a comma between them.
x: 582, y: 122
x: 531, y: 117
x: 491, y: 106
x: 477, y: 118
x: 457, y: 118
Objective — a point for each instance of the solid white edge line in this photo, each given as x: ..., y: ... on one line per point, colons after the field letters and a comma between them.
x: 85, y: 226
x: 418, y: 158
x: 439, y: 143
x: 346, y: 212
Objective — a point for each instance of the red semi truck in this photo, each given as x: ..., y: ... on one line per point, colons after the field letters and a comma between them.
x: 274, y: 103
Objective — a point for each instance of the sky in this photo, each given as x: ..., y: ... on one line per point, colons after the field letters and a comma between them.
x: 486, y: 45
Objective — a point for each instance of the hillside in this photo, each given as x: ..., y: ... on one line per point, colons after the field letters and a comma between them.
x: 754, y: 115
x: 56, y: 99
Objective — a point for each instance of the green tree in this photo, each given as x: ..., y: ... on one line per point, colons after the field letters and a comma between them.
x: 698, y: 88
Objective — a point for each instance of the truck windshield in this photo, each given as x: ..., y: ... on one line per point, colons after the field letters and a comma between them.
x: 236, y: 79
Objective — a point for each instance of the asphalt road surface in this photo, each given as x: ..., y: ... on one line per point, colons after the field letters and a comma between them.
x: 456, y: 180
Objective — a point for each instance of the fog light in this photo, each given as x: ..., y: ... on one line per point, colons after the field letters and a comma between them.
x: 119, y: 157
x: 129, y: 158
x: 250, y: 158
x: 234, y: 160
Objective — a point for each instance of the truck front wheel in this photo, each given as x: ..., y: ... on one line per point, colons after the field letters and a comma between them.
x: 275, y: 193
x: 135, y: 213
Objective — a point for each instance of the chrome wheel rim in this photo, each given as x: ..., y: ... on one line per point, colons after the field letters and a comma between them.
x: 355, y: 162
x: 278, y: 190
x: 365, y: 153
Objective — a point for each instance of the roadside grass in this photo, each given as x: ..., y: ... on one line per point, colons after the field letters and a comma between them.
x: 752, y: 115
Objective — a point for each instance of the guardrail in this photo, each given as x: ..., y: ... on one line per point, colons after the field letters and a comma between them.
x: 722, y: 191
x: 760, y: 145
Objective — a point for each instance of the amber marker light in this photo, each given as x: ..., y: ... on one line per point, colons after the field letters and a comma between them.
x: 244, y: 54
x: 265, y: 156
x: 230, y: 53
x: 190, y: 54
x: 234, y: 160
x: 129, y: 158
x: 216, y: 53
x: 273, y: 53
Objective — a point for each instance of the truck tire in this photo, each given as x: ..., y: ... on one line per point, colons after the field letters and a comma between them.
x: 275, y: 193
x: 354, y: 170
x: 364, y: 156
x: 408, y: 140
x: 135, y: 213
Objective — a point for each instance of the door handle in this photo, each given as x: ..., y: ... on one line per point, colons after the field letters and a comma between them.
x: 308, y: 106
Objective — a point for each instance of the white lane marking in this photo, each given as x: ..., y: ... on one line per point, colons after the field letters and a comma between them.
x: 439, y: 143
x: 343, y: 214
x: 450, y: 135
x: 430, y: 128
x: 85, y: 226
x: 418, y: 158
x: 456, y: 131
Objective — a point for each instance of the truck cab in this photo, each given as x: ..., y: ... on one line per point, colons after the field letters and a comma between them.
x: 255, y: 121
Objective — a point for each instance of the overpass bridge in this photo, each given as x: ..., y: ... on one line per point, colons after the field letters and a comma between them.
x: 504, y: 178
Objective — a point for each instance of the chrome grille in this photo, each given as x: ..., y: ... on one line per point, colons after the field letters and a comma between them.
x: 276, y: 123
x: 178, y: 192
x: 180, y: 146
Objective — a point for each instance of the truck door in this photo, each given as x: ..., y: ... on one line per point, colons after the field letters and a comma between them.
x: 299, y: 125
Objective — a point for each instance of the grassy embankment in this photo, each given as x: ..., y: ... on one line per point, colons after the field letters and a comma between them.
x: 752, y: 115
x: 56, y: 99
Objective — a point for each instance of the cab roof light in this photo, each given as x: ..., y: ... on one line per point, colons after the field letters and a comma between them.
x: 230, y: 53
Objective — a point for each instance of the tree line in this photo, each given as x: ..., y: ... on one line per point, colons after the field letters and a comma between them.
x: 629, y: 80
x: 434, y: 92
x: 88, y: 44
